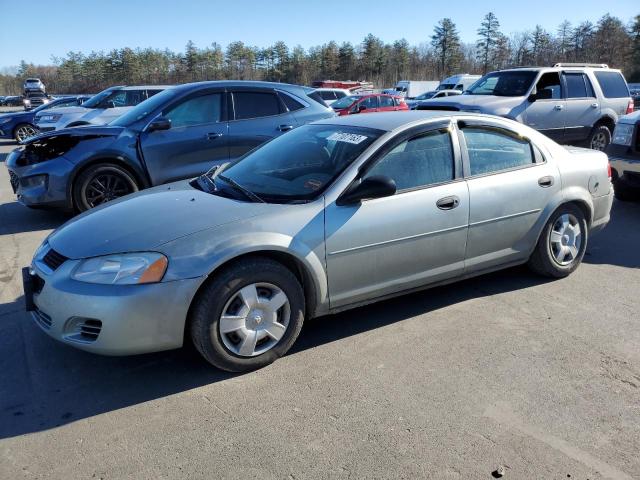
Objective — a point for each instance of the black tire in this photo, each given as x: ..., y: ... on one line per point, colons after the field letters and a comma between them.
x: 21, y: 130
x: 543, y: 260
x: 625, y: 193
x: 204, y: 321
x: 599, y: 138
x: 116, y: 182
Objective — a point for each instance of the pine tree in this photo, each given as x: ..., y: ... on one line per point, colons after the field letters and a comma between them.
x: 446, y: 44
x: 486, y: 46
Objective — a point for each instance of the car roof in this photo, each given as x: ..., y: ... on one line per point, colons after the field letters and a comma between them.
x: 389, y: 121
x: 141, y: 87
x: 241, y: 83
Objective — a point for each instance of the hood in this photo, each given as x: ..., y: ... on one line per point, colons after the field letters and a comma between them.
x: 630, y: 118
x: 99, y: 115
x: 83, y: 131
x: 478, y: 103
x: 64, y: 110
x: 147, y: 219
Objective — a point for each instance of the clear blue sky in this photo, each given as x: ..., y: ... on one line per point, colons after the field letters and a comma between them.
x: 55, y: 27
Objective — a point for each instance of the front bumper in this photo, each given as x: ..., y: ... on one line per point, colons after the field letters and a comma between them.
x: 627, y: 170
x: 43, y: 184
x: 111, y: 319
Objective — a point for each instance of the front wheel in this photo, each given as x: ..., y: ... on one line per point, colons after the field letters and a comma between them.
x: 562, y: 244
x: 24, y: 131
x: 100, y: 184
x: 248, y: 316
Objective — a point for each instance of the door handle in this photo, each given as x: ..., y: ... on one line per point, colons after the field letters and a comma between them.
x: 448, y: 203
x: 285, y: 128
x: 213, y: 135
x: 558, y: 107
x: 594, y: 105
x: 545, y: 182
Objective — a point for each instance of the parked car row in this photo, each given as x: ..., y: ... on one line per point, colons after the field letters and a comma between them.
x: 177, y: 133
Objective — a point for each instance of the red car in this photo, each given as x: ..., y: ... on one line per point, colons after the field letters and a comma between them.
x: 376, y: 102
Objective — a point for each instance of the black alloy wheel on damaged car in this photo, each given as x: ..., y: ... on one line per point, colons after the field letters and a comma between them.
x: 100, y: 184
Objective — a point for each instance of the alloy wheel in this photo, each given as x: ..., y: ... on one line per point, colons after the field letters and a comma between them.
x: 105, y: 187
x: 599, y: 141
x: 24, y: 132
x: 565, y: 239
x: 254, y: 320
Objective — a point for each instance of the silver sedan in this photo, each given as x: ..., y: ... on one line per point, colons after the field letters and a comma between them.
x: 330, y: 216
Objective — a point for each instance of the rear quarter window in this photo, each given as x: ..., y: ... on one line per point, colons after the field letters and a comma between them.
x: 613, y: 84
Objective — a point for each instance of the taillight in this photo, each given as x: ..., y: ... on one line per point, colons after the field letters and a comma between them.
x: 630, y: 107
x: 609, y: 170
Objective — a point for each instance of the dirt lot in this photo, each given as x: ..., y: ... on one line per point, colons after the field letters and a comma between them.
x: 507, y: 369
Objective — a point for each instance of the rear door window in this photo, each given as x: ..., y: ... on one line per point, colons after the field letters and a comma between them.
x: 577, y: 85
x: 613, y: 84
x: 255, y: 105
x: 493, y: 150
x: 370, y: 102
x: 386, y: 102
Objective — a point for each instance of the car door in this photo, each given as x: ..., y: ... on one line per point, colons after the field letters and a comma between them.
x: 546, y: 113
x: 386, y: 104
x: 511, y: 185
x: 256, y: 116
x: 412, y: 238
x: 196, y: 141
x: 582, y: 109
x: 369, y: 103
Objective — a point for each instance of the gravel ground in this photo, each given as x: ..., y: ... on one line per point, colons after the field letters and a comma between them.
x: 540, y: 377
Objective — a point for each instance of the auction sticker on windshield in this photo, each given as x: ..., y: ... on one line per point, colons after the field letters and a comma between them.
x: 347, y: 137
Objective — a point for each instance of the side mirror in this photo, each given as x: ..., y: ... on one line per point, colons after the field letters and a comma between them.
x: 160, y: 123
x: 533, y: 96
x: 377, y: 186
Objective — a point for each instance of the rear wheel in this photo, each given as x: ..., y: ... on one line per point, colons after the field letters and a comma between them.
x: 600, y: 137
x: 24, y: 131
x: 562, y: 243
x: 248, y: 316
x: 100, y: 184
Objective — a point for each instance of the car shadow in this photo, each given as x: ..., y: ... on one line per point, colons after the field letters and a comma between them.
x: 46, y: 384
x: 618, y: 243
x: 16, y: 218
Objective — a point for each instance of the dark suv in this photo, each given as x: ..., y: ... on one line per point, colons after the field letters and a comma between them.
x: 179, y: 133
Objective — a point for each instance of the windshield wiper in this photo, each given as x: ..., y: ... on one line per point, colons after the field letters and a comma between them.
x: 247, y: 193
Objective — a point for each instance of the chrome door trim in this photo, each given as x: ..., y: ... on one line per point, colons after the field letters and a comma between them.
x: 506, y: 217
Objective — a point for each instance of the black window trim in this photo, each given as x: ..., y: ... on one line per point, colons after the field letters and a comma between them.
x: 536, y: 151
x: 232, y: 108
x: 191, y: 95
x: 294, y: 97
x: 410, y: 134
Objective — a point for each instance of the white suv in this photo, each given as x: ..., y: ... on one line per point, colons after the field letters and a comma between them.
x: 98, y: 110
x: 571, y: 103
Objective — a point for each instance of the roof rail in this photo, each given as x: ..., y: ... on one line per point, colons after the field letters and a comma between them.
x: 592, y: 65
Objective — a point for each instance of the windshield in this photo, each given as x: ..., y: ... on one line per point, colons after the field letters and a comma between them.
x: 143, y: 108
x: 425, y: 96
x: 503, y: 84
x: 300, y: 165
x: 97, y: 99
x: 345, y: 102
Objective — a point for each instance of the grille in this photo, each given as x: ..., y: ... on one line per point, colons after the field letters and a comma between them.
x: 53, y: 259
x: 42, y: 319
x: 13, y: 178
x: 90, y: 329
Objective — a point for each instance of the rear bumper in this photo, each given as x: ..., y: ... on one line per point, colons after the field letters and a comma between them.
x: 601, y: 212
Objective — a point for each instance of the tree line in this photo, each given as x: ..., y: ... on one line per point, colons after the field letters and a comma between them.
x: 609, y: 41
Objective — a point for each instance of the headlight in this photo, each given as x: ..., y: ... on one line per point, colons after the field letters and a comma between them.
x: 26, y: 101
x: 124, y: 269
x: 622, y: 134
